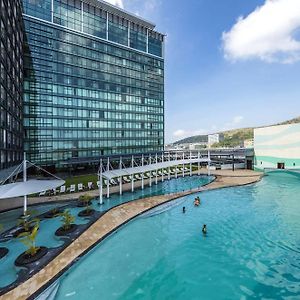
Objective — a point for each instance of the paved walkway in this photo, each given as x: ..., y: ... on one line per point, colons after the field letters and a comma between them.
x: 109, y: 222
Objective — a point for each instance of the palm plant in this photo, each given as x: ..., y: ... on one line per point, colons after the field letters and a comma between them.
x: 29, y: 238
x: 67, y: 219
x: 86, y: 199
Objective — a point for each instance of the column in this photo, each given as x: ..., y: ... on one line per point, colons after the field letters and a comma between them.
x: 132, y: 178
x: 120, y: 178
x: 156, y: 169
x: 183, y: 165
x: 190, y: 163
x: 107, y: 183
x: 162, y: 172
x: 143, y: 171
x: 100, y: 184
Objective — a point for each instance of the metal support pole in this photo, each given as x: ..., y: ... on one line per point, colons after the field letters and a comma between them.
x: 25, y: 179
x: 208, y: 155
x: 198, y: 163
x: 156, y: 169
x: 132, y: 178
x: 120, y: 178
x: 150, y: 173
x: 190, y: 163
x: 183, y: 165
x: 176, y: 165
x: 107, y: 183
x: 233, y: 161
x: 169, y: 169
x: 162, y: 172
x: 100, y: 184
x: 143, y: 171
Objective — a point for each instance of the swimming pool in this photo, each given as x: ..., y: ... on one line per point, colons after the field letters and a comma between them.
x: 46, y: 237
x: 251, y: 251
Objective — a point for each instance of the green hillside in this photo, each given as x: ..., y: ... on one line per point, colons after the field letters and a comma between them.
x: 232, y: 138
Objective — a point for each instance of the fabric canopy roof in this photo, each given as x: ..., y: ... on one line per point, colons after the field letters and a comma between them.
x: 29, y: 187
x: 152, y: 167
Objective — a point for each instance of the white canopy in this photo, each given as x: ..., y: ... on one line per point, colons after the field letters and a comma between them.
x: 29, y: 187
x: 152, y: 167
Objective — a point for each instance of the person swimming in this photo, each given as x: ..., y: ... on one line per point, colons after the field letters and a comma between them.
x: 197, y: 201
x: 183, y: 209
x: 204, y: 229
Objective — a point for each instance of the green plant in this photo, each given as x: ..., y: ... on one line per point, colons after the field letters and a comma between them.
x: 26, y: 223
x: 86, y: 199
x: 55, y: 211
x: 67, y: 219
x: 29, y: 238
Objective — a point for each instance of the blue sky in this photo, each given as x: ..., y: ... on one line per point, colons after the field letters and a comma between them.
x: 229, y: 63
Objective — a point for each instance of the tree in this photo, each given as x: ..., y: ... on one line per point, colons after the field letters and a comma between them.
x: 29, y: 238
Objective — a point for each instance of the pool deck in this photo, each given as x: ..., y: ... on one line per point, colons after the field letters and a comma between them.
x: 111, y: 221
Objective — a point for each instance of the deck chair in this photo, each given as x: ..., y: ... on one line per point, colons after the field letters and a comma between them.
x: 90, y: 185
x: 62, y: 189
x: 113, y: 182
x: 43, y: 193
x: 72, y: 188
x: 80, y: 187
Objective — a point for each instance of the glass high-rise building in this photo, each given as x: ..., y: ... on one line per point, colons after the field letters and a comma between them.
x: 11, y: 83
x: 94, y: 81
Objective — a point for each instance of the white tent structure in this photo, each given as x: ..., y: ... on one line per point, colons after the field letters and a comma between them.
x: 153, y: 166
x: 27, y: 187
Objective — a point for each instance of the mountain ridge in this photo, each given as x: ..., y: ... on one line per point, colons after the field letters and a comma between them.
x: 234, y: 137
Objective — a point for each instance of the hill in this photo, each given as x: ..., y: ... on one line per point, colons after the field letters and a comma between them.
x: 234, y: 137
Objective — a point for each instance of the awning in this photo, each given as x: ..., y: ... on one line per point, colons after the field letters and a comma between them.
x: 29, y: 187
x: 151, y: 167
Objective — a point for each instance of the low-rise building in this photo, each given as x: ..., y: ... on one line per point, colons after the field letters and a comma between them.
x: 277, y: 147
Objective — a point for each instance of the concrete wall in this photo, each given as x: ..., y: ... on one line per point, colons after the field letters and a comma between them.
x: 277, y: 144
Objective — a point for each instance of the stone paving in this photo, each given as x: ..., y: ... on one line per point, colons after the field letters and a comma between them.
x: 109, y: 222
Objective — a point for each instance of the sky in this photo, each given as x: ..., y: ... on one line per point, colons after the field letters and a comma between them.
x: 228, y: 63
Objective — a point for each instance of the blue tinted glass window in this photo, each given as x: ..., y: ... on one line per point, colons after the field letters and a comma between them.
x: 94, y: 21
x: 67, y: 13
x: 155, y: 46
x: 138, y: 40
x: 38, y: 8
x: 118, y: 33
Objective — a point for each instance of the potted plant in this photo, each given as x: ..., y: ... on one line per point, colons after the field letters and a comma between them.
x: 24, y: 225
x: 84, y: 200
x: 33, y: 253
x: 87, y: 201
x: 3, y: 250
x: 68, y: 224
x: 53, y: 213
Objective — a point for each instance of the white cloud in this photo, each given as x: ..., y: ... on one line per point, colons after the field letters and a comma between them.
x: 116, y: 3
x: 181, y: 133
x: 238, y: 119
x: 268, y: 33
x: 233, y: 124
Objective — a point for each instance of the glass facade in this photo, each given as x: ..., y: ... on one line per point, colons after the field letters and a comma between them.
x: 11, y: 83
x: 94, y: 83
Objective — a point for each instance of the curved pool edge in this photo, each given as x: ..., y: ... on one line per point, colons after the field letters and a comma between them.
x: 110, y: 222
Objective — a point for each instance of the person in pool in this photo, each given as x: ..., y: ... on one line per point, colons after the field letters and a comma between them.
x: 183, y: 209
x: 197, y: 201
x: 204, y: 229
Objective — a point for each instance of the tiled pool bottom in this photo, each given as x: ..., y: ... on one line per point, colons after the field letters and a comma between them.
x: 251, y: 250
x: 9, y: 273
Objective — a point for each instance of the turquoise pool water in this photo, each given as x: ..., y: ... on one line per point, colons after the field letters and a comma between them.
x: 46, y: 237
x: 251, y: 251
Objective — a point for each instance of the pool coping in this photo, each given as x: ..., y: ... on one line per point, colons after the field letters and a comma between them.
x: 213, y: 185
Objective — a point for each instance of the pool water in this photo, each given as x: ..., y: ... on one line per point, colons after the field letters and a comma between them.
x: 251, y: 251
x: 46, y: 237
